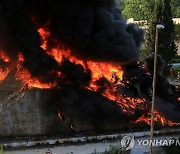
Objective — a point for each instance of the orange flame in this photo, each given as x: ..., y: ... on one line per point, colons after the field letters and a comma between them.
x: 99, y: 70
x: 157, y: 118
x: 112, y: 72
x: 4, y: 71
x: 4, y: 57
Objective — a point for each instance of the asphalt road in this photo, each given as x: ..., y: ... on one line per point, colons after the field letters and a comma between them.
x: 174, y: 82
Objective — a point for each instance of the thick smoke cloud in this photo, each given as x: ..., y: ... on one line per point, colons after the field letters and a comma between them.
x: 93, y: 30
x: 74, y: 74
x: 140, y: 84
x: 149, y: 63
x: 18, y: 30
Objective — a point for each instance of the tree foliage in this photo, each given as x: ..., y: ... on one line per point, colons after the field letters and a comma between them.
x: 175, y: 4
x: 177, y: 32
x: 161, y: 15
x: 137, y: 9
x: 142, y: 9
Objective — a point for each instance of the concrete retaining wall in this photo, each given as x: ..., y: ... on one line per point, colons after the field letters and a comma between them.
x: 20, y: 111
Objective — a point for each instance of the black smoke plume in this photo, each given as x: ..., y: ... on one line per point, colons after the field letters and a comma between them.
x: 149, y: 63
x: 93, y: 30
x: 19, y: 35
x: 74, y: 74
x: 140, y: 81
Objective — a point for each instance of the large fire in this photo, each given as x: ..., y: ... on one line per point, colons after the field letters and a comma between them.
x: 111, y: 72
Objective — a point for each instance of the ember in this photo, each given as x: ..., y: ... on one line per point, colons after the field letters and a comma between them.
x: 61, y: 115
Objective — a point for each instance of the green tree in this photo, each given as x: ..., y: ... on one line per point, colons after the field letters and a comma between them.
x: 175, y: 4
x: 142, y: 9
x: 161, y: 15
x: 137, y: 9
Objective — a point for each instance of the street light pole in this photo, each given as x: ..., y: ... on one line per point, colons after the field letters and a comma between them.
x: 154, y: 87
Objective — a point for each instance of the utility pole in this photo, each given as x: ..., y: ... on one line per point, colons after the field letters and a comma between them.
x: 158, y: 27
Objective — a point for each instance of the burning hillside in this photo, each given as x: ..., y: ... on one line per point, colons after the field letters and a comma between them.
x: 86, y: 55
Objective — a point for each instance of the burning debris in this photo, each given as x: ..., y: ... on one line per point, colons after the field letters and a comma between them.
x: 166, y: 96
x: 86, y: 55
